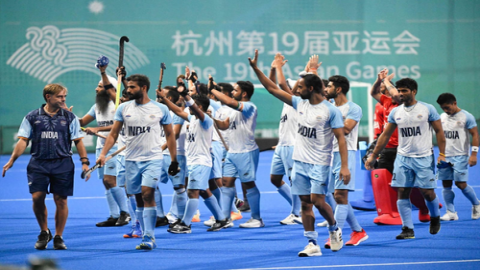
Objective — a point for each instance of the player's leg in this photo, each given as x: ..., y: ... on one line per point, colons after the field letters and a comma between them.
x: 228, y: 185
x: 247, y: 164
x: 114, y: 211
x: 448, y: 196
x: 460, y: 176
x: 403, y: 178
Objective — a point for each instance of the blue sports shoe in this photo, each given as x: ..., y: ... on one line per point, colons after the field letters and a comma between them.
x: 148, y: 243
x: 135, y: 231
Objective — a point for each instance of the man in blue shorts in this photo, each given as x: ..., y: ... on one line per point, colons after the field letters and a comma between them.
x: 318, y: 123
x: 457, y: 125
x: 51, y: 128
x: 143, y: 120
x: 414, y: 164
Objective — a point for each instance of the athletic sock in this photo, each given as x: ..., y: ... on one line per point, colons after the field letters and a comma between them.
x: 433, y: 207
x: 112, y: 204
x: 190, y: 210
x: 341, y: 213
x: 286, y: 193
x: 149, y: 218
x: 181, y: 203
x: 470, y: 194
x: 140, y: 218
x: 120, y: 198
x: 331, y: 201
x: 352, y: 220
x: 448, y: 197
x: 159, y: 202
x: 218, y: 195
x: 228, y: 195
x: 132, y: 205
x: 234, y: 207
x: 173, y: 206
x: 296, y: 205
x: 253, y: 195
x: 212, y: 204
x: 311, y: 236
x: 405, y: 210
x: 332, y: 228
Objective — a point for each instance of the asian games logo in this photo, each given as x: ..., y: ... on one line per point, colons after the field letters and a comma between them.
x: 51, y: 52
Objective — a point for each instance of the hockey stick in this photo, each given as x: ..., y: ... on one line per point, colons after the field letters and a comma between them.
x: 96, y: 134
x: 120, y: 64
x: 220, y: 135
x: 162, y: 68
x: 89, y: 171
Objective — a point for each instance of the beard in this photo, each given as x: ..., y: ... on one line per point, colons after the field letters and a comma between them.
x: 102, y: 101
x: 306, y: 95
x: 137, y: 95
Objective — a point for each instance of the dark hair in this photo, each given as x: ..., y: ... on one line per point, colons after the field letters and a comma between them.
x: 140, y: 79
x: 446, y: 98
x: 340, y: 81
x: 174, y: 95
x: 170, y: 88
x: 227, y: 88
x: 202, y: 89
x: 312, y: 80
x: 246, y: 87
x: 325, y: 82
x: 202, y: 100
x: 407, y: 83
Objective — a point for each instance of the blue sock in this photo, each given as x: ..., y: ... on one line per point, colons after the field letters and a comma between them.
x: 149, y: 219
x: 341, y: 212
x: 405, y: 210
x: 159, y: 202
x: 332, y: 228
x: 470, y: 194
x: 218, y: 195
x: 173, y: 206
x: 352, y: 220
x: 132, y: 206
x: 182, y: 199
x: 297, y: 205
x: 190, y: 210
x: 433, y: 207
x: 253, y: 196
x: 331, y: 201
x: 120, y: 198
x: 213, y: 206
x: 228, y: 195
x: 311, y: 236
x: 140, y: 218
x: 112, y: 204
x: 286, y: 193
x: 234, y: 207
x: 448, y: 197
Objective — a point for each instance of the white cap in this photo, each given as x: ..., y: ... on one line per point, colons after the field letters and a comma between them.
x: 112, y: 80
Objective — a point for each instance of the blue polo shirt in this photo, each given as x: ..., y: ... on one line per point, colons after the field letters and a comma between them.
x: 51, y: 136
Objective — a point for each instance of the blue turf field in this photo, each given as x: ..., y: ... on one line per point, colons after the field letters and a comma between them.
x: 272, y: 247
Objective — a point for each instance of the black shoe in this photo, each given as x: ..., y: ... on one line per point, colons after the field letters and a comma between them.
x: 171, y: 225
x: 222, y: 224
x: 110, y: 222
x: 43, y: 238
x: 245, y: 207
x: 161, y: 221
x: 58, y: 243
x: 238, y: 203
x: 124, y: 219
x: 434, y: 225
x: 181, y: 228
x: 407, y: 233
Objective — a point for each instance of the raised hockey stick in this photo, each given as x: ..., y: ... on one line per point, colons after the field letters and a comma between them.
x: 89, y: 171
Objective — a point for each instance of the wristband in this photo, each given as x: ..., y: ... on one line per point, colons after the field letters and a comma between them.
x: 108, y: 86
x: 189, y: 103
x: 442, y: 154
x: 474, y: 148
x: 103, y: 73
x: 86, y: 163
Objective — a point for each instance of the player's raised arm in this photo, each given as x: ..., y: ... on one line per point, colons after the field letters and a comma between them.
x: 174, y: 108
x: 271, y: 87
x: 278, y: 62
x: 375, y: 90
x: 392, y: 89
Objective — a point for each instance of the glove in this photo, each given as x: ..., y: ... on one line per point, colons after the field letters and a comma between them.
x: 102, y: 61
x: 444, y: 164
x: 193, y: 76
x: 173, y: 169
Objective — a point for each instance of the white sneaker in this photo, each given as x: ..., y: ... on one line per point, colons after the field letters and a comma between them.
x: 253, y: 223
x: 210, y: 222
x: 322, y: 224
x: 336, y: 241
x: 476, y: 211
x: 171, y: 218
x: 291, y: 220
x: 449, y: 216
x: 310, y: 251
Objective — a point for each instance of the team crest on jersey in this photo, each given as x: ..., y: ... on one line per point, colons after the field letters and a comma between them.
x: 37, y: 122
x: 419, y: 116
x: 319, y: 118
x: 63, y: 122
x: 152, y: 116
x: 301, y: 113
x: 459, y: 124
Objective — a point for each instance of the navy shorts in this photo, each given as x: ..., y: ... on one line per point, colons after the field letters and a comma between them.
x: 56, y: 173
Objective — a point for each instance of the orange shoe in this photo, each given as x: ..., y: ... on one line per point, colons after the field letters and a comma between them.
x: 327, y: 244
x: 423, y: 217
x: 356, y: 238
x: 196, y: 218
x: 236, y: 216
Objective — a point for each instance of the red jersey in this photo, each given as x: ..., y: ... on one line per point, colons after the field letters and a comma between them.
x: 388, y: 106
x: 378, y: 120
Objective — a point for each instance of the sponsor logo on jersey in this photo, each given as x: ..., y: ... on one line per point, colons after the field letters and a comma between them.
x: 134, y: 131
x: 128, y: 115
x: 451, y: 134
x: 410, y: 131
x: 419, y: 116
x: 319, y: 118
x: 63, y: 122
x: 307, y: 131
x: 49, y: 135
x: 398, y: 119
x: 37, y: 122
